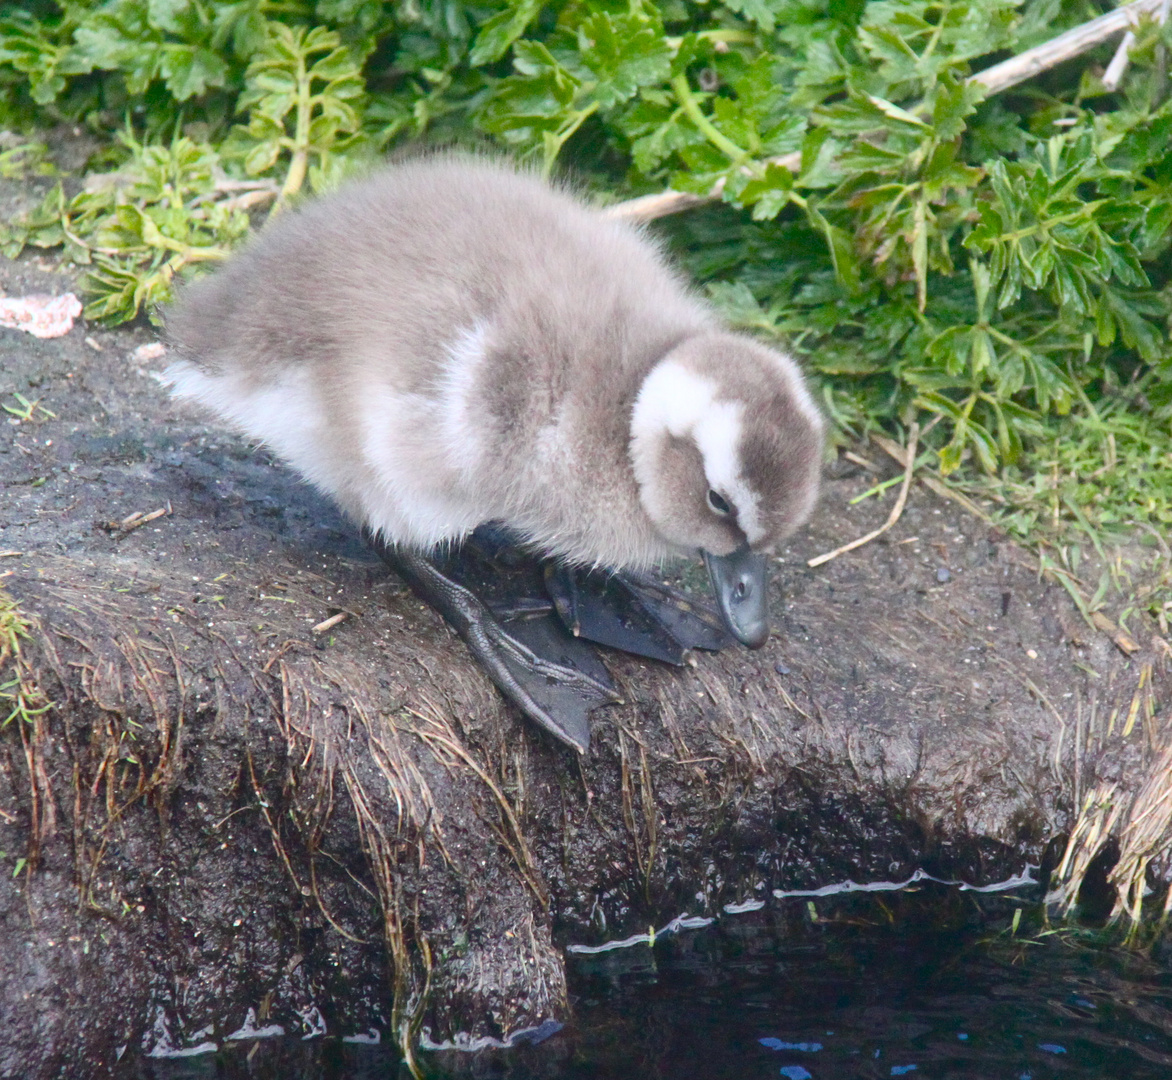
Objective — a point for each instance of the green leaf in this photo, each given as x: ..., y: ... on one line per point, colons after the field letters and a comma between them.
x: 175, y: 16
x: 499, y: 32
x: 894, y: 112
x: 273, y: 80
x: 740, y: 307
x: 190, y: 71
x: 262, y: 157
x: 1135, y: 330
x: 540, y: 99
x: 952, y: 103
x: 762, y: 12
x: 622, y: 53
x: 842, y: 254
x: 656, y: 132
x: 918, y: 40
x: 339, y: 64
x: 769, y: 193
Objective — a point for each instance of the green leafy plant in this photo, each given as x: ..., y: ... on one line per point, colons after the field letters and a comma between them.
x: 165, y: 209
x: 304, y: 92
x: 933, y: 246
x: 595, y: 65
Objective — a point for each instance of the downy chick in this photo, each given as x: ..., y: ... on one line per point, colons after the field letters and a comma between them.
x: 451, y: 341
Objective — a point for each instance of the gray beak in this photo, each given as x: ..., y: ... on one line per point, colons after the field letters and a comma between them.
x: 739, y: 583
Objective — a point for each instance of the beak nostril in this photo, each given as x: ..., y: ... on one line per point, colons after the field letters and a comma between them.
x: 738, y: 579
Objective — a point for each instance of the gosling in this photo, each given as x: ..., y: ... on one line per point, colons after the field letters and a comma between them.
x: 453, y: 341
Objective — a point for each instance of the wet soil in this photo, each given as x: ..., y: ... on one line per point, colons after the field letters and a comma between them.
x: 229, y: 820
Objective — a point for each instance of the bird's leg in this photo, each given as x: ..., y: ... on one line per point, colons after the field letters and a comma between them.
x: 622, y: 609
x: 633, y: 613
x: 554, y: 695
x: 525, y: 607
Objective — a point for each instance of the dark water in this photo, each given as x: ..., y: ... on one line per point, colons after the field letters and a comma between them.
x: 928, y: 983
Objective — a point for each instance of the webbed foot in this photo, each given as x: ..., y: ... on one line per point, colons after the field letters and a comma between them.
x: 634, y: 613
x: 555, y: 680
x: 527, y: 622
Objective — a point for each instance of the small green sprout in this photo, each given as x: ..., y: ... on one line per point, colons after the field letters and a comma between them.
x: 26, y: 411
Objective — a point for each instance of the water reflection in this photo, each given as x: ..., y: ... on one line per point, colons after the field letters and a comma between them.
x: 922, y: 984
x: 849, y: 997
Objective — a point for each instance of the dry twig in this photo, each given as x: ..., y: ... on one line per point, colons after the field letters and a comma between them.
x: 896, y: 510
x: 1065, y: 46
x: 1113, y: 76
x: 136, y: 521
x: 932, y: 483
x: 331, y: 622
x: 1123, y: 641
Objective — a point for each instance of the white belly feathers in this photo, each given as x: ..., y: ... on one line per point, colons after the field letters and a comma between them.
x: 407, y: 465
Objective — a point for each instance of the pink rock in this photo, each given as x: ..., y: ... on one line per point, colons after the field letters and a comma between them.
x: 41, y: 316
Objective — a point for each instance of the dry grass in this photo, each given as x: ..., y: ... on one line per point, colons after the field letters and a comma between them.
x: 1138, y: 816
x: 1096, y: 821
x: 346, y: 733
x: 644, y: 830
x: 1145, y: 841
x: 346, y: 749
x: 338, y: 732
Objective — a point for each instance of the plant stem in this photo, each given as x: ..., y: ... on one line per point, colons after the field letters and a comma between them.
x: 722, y: 37
x: 299, y: 164
x: 1086, y: 210
x: 691, y: 106
x: 554, y: 143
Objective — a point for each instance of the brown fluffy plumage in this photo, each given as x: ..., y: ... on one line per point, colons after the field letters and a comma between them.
x: 451, y: 341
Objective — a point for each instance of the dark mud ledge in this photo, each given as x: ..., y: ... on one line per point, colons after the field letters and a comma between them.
x: 229, y: 820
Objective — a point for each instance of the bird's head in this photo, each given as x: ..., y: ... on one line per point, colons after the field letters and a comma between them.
x: 726, y: 445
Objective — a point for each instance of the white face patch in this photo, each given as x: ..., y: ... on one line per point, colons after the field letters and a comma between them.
x: 718, y: 435
x: 675, y: 400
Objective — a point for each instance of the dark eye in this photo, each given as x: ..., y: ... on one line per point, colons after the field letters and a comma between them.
x: 718, y: 503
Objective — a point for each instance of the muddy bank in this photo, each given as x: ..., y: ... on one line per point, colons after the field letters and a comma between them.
x: 230, y: 821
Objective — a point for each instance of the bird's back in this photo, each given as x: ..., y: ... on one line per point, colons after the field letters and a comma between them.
x: 414, y: 253
x: 445, y: 341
